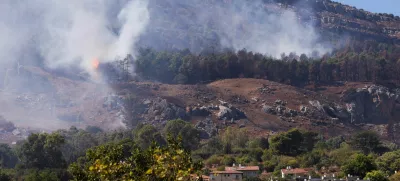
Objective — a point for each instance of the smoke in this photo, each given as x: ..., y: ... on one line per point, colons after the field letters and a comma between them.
x: 70, y: 33
x: 62, y: 35
x: 267, y: 28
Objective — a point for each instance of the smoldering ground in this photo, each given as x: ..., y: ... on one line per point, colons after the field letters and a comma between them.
x: 61, y: 35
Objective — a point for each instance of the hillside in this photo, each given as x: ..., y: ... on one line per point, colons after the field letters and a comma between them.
x: 260, y: 106
x: 197, y: 25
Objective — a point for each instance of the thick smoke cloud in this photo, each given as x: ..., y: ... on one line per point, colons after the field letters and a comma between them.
x: 66, y: 33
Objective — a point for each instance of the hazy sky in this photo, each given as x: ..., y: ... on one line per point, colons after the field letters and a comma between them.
x: 381, y: 6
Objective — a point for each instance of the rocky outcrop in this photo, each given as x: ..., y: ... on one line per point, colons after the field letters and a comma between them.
x: 228, y: 113
x: 279, y: 108
x: 161, y: 109
x: 207, y: 128
x: 372, y: 104
x: 200, y: 111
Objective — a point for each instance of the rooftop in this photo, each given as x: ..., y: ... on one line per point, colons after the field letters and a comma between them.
x: 294, y: 171
x: 227, y: 172
x: 243, y: 168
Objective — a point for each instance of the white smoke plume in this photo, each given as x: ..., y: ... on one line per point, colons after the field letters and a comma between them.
x: 266, y: 28
x: 73, y: 32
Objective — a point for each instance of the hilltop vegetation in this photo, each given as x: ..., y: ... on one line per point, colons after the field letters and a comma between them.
x: 125, y: 155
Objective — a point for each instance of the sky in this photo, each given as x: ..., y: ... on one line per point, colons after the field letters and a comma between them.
x: 381, y: 6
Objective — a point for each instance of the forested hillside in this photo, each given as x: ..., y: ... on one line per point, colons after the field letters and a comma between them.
x: 272, y: 84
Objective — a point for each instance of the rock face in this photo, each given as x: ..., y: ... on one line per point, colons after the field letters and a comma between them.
x: 207, y: 128
x: 268, y: 109
x: 200, y: 111
x: 372, y: 104
x: 227, y: 113
x: 160, y: 109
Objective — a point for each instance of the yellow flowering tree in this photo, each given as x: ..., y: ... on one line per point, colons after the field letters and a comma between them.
x: 126, y: 161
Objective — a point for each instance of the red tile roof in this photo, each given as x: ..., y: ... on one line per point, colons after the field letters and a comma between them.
x: 244, y: 168
x: 227, y: 172
x: 294, y: 171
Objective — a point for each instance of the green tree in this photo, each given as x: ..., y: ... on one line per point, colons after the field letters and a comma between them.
x: 125, y: 161
x: 340, y: 156
x: 4, y: 176
x: 235, y: 137
x: 46, y: 175
x: 366, y: 141
x: 190, y: 135
x: 8, y: 159
x: 146, y: 134
x: 293, y: 142
x: 359, y: 165
x: 42, y: 151
x: 376, y: 176
x: 389, y: 162
x: 228, y: 160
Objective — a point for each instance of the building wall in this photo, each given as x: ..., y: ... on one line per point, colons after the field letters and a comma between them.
x: 249, y: 173
x: 226, y: 177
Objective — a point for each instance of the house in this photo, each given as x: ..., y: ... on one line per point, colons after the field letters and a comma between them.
x: 290, y: 173
x: 227, y: 175
x: 196, y: 177
x: 248, y: 171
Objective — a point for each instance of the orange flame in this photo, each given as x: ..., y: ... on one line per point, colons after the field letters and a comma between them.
x: 95, y: 63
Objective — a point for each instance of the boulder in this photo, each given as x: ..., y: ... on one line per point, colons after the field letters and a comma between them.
x: 165, y: 110
x: 207, y: 128
x: 279, y: 102
x: 268, y: 109
x: 291, y: 113
x: 280, y: 109
x: 227, y: 113
x: 303, y: 109
x: 200, y: 111
x: 224, y: 112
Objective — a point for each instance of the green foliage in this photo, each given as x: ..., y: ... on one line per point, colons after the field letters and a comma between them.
x: 234, y: 137
x: 190, y: 135
x: 214, y: 159
x: 316, y: 158
x: 366, y: 141
x: 46, y: 175
x: 93, y: 129
x: 360, y: 61
x: 8, y: 159
x: 335, y: 142
x: 145, y: 135
x: 5, y: 176
x: 376, y: 176
x: 359, y: 165
x: 262, y: 143
x: 76, y: 143
x: 125, y: 161
x: 293, y: 142
x: 285, y: 161
x: 229, y: 160
x: 389, y: 162
x: 341, y: 156
x: 42, y: 151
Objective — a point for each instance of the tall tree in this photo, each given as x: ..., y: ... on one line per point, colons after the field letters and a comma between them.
x: 42, y: 150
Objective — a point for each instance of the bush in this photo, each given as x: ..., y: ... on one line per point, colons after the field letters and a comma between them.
x: 214, y: 159
x: 228, y: 160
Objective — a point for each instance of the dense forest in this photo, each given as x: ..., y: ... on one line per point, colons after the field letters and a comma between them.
x: 368, y: 61
x: 176, y: 152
